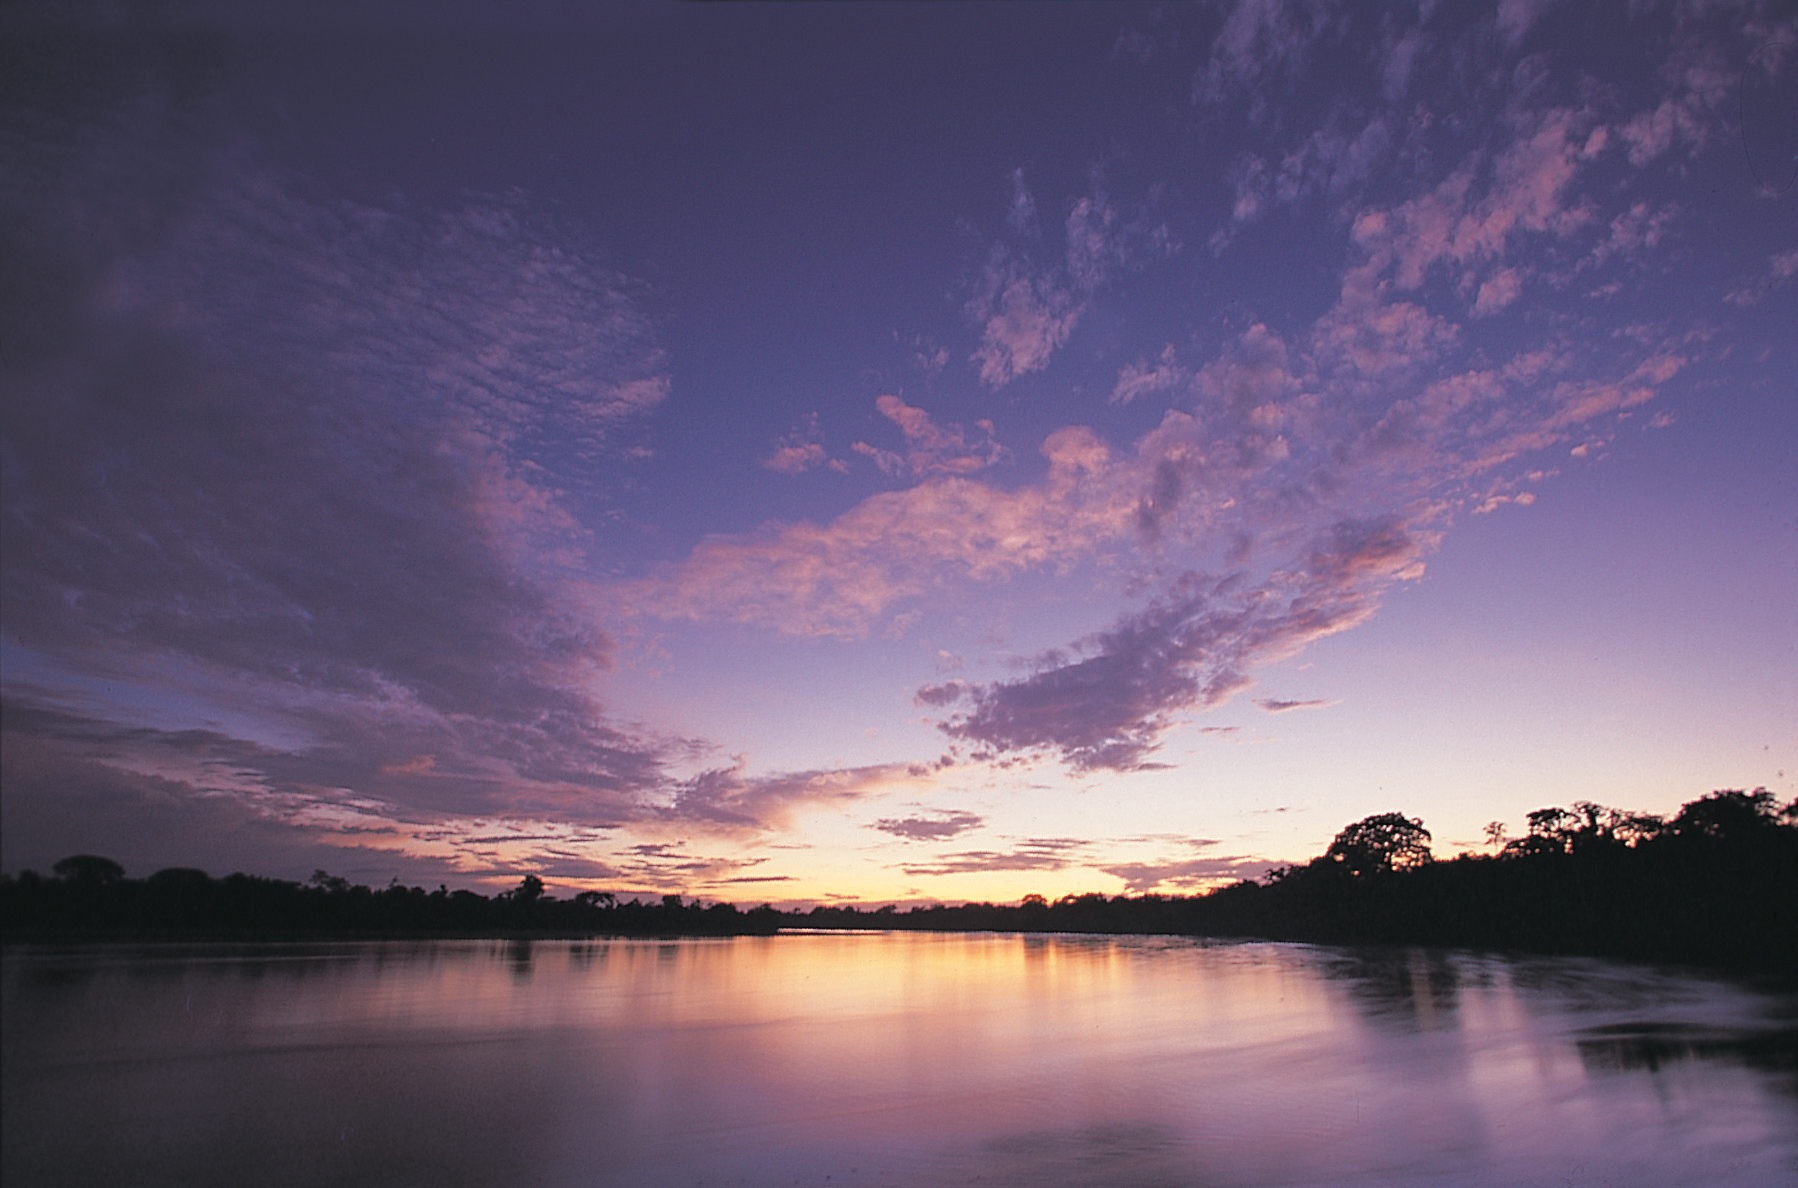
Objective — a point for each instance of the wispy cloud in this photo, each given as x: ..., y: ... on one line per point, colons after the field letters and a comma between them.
x: 1108, y: 707
x: 1259, y: 38
x: 1027, y: 307
x: 1310, y: 466
x: 802, y: 450
x: 931, y: 448
x: 1702, y: 83
x: 1043, y: 853
x: 1183, y: 875
x: 284, y: 463
x: 1781, y: 268
x: 932, y: 827
x: 1276, y: 705
x: 1142, y: 378
x: 842, y: 577
x: 321, y: 483
x: 1025, y: 316
x: 728, y: 799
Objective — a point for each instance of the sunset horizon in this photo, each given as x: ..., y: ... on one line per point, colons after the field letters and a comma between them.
x: 887, y: 454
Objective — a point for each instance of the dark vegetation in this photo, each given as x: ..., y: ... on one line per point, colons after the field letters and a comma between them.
x: 1715, y: 885
x: 91, y: 897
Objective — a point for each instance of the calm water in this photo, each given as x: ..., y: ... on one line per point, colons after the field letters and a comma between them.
x: 883, y: 1060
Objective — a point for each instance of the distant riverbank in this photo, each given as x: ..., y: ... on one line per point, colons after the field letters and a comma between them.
x: 1716, y: 885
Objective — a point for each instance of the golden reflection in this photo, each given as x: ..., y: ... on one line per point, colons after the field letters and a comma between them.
x: 929, y: 1058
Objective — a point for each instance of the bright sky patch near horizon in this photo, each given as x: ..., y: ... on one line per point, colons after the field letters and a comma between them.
x: 894, y: 453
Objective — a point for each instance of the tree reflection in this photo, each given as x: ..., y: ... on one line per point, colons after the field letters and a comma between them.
x: 1410, y: 989
x: 1651, y: 1046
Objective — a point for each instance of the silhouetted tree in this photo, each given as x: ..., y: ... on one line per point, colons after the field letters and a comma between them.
x: 1727, y: 815
x: 334, y: 884
x: 89, y: 869
x: 1381, y: 843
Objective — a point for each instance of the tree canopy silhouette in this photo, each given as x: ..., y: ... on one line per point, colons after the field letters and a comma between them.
x: 1717, y: 885
x: 90, y: 869
x: 1380, y: 844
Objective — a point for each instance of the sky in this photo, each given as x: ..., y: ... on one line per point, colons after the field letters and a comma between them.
x: 886, y: 454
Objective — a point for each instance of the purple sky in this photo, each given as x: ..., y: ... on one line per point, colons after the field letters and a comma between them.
x: 898, y: 453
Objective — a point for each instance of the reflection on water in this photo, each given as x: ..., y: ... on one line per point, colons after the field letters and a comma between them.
x: 884, y: 1059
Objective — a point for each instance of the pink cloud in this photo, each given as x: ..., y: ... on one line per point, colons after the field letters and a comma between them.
x: 932, y: 448
x: 1253, y: 375
x: 1027, y: 310
x: 801, y: 450
x: 1634, y: 229
x: 795, y: 459
x: 1184, y: 875
x: 1466, y: 226
x: 1575, y: 403
x: 728, y: 800
x: 1497, y: 292
x: 1140, y: 379
x: 839, y: 578
x: 1025, y: 316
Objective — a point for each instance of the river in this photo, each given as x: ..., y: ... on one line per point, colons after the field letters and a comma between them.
x: 883, y: 1059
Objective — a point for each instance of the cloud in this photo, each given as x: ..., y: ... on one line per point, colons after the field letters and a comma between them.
x: 669, y: 867
x: 1258, y: 37
x: 1249, y: 177
x: 1021, y: 218
x: 1141, y: 379
x: 1046, y: 853
x: 841, y: 577
x: 467, y: 813
x: 727, y: 799
x: 932, y: 448
x: 1098, y: 244
x: 1468, y: 221
x: 1781, y: 267
x: 283, y: 462
x: 1185, y: 875
x: 1333, y: 162
x: 1304, y: 471
x: 1633, y: 230
x: 1249, y: 378
x: 1401, y: 56
x: 802, y: 450
x: 1107, y: 708
x: 937, y: 827
x: 1497, y: 292
x: 1692, y: 114
x: 1027, y: 310
x: 795, y: 458
x: 1516, y: 16
x: 154, y: 798
x: 947, y: 693
x: 1275, y: 705
x: 1025, y: 315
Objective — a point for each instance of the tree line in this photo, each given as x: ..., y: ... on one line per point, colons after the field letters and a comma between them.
x: 90, y: 896
x: 1715, y: 884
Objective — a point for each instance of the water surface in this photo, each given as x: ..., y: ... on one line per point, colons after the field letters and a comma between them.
x: 883, y: 1059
